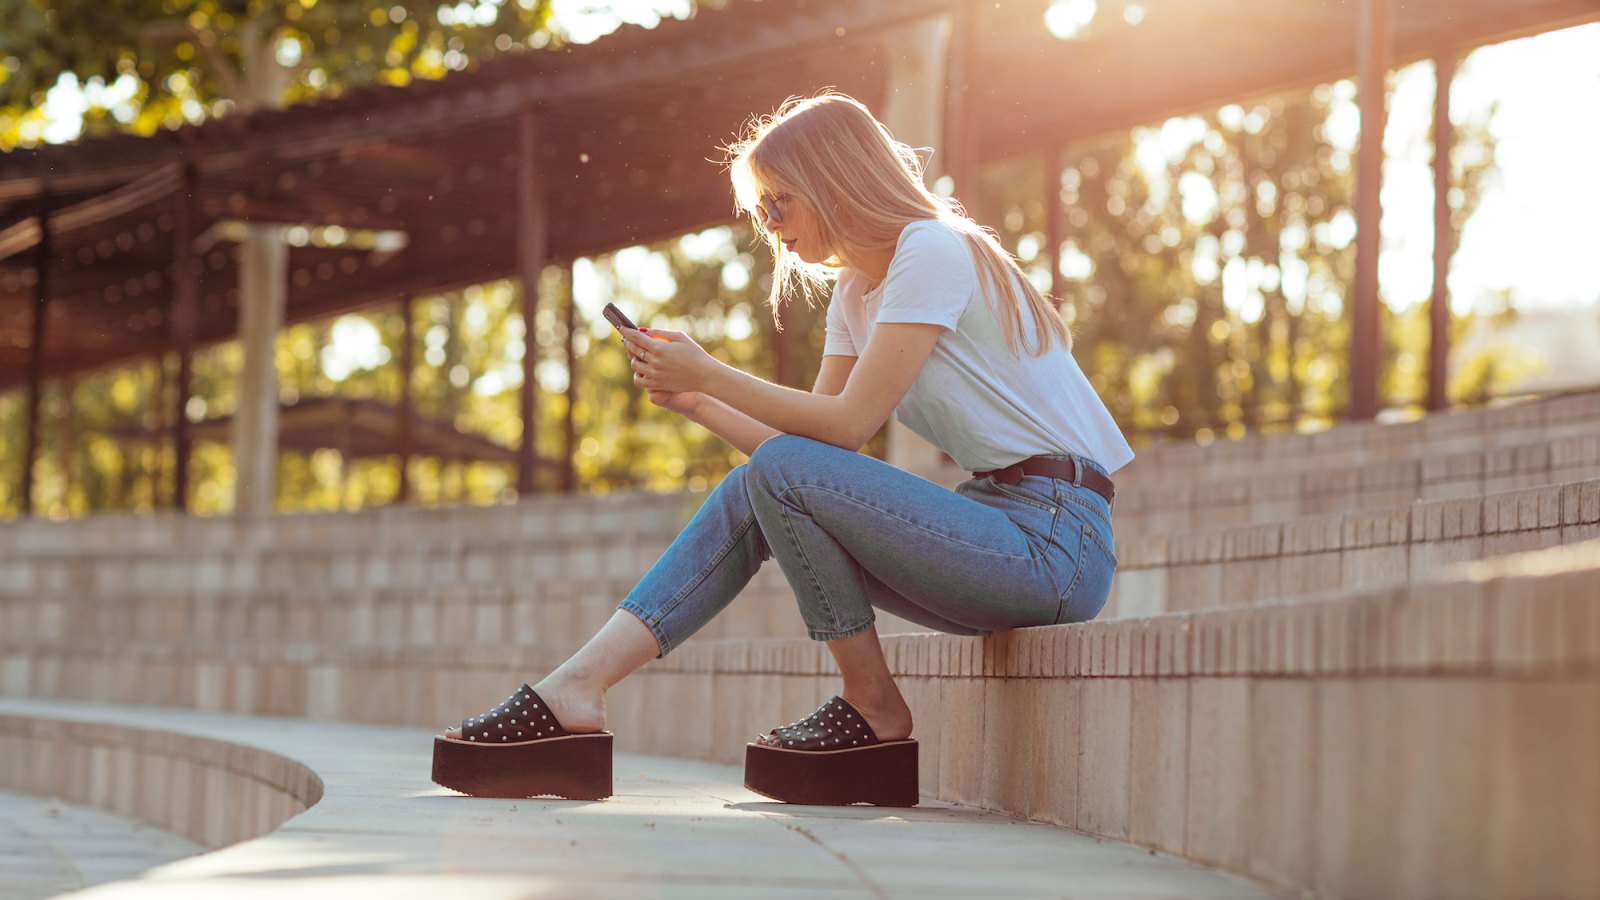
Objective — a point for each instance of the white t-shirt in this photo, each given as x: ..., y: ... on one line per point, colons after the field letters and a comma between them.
x: 973, y: 399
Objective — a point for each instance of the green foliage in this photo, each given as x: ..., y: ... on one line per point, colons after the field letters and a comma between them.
x: 1152, y: 329
x: 193, y: 59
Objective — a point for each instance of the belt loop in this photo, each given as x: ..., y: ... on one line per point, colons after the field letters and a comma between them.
x: 1077, y: 470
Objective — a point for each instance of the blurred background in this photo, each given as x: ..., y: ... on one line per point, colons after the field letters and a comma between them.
x: 1205, y: 273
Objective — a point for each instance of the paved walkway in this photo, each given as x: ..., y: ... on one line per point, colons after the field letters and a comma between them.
x: 48, y: 847
x: 676, y: 828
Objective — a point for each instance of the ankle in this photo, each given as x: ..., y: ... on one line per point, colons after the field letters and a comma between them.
x: 876, y: 696
x: 887, y: 714
x: 567, y: 684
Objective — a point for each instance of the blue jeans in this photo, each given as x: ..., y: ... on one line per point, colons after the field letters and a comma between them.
x: 853, y: 533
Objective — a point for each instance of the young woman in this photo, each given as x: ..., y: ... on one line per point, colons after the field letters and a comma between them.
x: 930, y: 319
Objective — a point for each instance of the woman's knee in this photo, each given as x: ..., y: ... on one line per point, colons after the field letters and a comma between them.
x: 774, y: 450
x: 776, y: 458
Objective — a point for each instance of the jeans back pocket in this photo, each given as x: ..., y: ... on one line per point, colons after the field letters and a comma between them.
x: 1091, y: 583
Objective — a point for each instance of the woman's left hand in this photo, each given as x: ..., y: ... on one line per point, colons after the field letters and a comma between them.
x: 668, y: 360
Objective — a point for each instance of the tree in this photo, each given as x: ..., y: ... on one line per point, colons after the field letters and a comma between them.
x: 1259, y: 201
x: 192, y: 59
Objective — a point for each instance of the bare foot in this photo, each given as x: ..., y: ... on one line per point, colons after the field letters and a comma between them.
x: 579, y: 709
x: 889, y: 720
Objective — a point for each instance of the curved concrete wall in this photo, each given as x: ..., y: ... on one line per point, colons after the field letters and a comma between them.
x: 213, y: 792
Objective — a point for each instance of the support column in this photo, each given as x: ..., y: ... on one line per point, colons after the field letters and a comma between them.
x: 532, y: 245
x: 1376, y: 49
x: 1444, y: 239
x: 569, y: 471
x: 41, y: 310
x: 1055, y: 220
x: 960, y: 138
x: 914, y: 112
x: 408, y: 342
x: 185, y: 303
x: 263, y: 287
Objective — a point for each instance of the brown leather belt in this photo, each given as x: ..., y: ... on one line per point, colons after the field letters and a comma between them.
x: 1065, y: 469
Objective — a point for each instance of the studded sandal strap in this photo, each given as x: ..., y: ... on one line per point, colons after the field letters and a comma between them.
x: 523, y: 717
x: 836, y: 725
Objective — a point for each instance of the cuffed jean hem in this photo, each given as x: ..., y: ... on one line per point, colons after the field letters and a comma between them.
x: 662, y: 641
x: 851, y: 631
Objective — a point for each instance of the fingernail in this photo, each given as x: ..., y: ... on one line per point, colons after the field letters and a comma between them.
x: 644, y: 329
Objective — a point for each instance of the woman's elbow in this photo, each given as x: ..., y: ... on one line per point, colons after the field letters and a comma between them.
x: 856, y: 436
x: 844, y: 437
x: 850, y: 428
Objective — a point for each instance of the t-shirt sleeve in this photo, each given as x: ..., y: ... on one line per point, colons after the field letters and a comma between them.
x: 837, y: 341
x: 931, y: 279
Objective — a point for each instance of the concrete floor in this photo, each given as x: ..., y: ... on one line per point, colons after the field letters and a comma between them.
x: 48, y: 847
x: 676, y: 828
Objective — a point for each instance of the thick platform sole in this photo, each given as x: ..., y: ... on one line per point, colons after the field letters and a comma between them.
x: 577, y: 767
x: 882, y: 774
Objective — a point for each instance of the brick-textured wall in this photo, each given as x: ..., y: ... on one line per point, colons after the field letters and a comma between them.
x: 1294, y: 678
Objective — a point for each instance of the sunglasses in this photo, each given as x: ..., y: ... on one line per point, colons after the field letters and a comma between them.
x: 768, y: 212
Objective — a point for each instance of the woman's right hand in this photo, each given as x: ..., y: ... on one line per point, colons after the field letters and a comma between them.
x: 681, y: 402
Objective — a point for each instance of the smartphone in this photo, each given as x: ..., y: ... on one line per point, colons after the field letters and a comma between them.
x: 620, y: 321
x: 617, y: 318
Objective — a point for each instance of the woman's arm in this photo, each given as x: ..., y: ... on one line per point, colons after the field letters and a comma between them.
x: 888, y: 365
x: 745, y: 433
x: 742, y: 432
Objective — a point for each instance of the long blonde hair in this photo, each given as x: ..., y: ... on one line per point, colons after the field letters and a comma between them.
x: 865, y: 188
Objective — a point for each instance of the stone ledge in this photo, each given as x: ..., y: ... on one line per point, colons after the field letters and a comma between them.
x: 1251, y: 564
x: 211, y: 791
x: 1241, y: 565
x: 1530, y: 615
x: 1371, y: 440
x: 1314, y: 485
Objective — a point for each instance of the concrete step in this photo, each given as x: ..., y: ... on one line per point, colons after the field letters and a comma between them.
x: 1440, y: 433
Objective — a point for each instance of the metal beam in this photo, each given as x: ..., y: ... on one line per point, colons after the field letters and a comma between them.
x: 1374, y: 52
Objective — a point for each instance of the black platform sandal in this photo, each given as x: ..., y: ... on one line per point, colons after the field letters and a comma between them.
x: 518, y: 749
x: 832, y: 758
